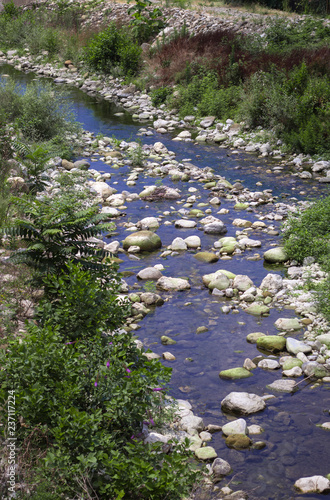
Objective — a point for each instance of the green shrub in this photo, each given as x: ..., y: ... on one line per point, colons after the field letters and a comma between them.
x: 81, y: 303
x: 112, y: 48
x: 160, y: 95
x: 307, y: 233
x: 145, y: 23
x: 55, y: 231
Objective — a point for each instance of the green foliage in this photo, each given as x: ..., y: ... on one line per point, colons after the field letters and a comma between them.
x: 39, y: 112
x: 5, y: 155
x: 202, y: 96
x: 307, y: 233
x: 55, y: 231
x: 112, y: 48
x: 282, y: 34
x: 160, y: 95
x: 10, y: 10
x: 81, y: 303
x: 35, y: 159
x: 145, y: 23
x: 136, y: 154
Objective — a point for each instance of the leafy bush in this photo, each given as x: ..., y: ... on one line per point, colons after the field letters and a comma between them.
x: 307, y: 233
x: 81, y: 303
x: 55, y: 231
x: 110, y: 48
x: 145, y: 23
x: 159, y: 96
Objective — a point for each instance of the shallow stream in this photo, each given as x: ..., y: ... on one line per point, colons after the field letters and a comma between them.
x: 296, y: 447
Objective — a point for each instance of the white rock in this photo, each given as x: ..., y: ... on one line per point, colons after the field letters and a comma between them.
x: 242, y: 402
x: 184, y: 223
x: 178, y: 244
x: 193, y: 241
x: 313, y: 484
x: 235, y: 427
x: 268, y: 364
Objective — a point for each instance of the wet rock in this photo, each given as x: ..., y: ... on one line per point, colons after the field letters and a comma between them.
x: 314, y: 369
x: 208, y: 257
x: 269, y: 364
x: 185, y: 223
x: 276, y: 255
x: 212, y: 428
x: 235, y: 373
x: 243, y: 403
x: 272, y: 343
x: 81, y: 164
x: 313, y: 484
x: 172, y: 284
x: 147, y: 241
x: 178, y: 244
x: 102, y: 189
x: 294, y: 346
x: 206, y: 453
x: 324, y: 339
x: 253, y: 337
x: 215, y: 228
x: 168, y: 356
x: 219, y: 469
x: 257, y: 309
x: 165, y: 340
x: 282, y: 385
x: 287, y: 324
x: 148, y: 223
x: 242, y: 282
x: 255, y: 429
x: 272, y: 283
x: 235, y: 427
x: 149, y: 273
x: 193, y: 241
x: 195, y: 443
x: 291, y: 363
x: 150, y: 299
x: 238, y: 441
x: 248, y: 364
x: 157, y: 193
x: 242, y: 223
x: 191, y: 421
x: 112, y: 247
x: 293, y: 372
x: 220, y: 281
x: 228, y: 245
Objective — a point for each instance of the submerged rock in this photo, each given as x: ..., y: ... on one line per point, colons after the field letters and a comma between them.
x: 172, y: 284
x: 313, y: 484
x: 238, y: 441
x: 235, y: 373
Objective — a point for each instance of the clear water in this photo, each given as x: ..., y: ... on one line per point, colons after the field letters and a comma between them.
x: 295, y: 446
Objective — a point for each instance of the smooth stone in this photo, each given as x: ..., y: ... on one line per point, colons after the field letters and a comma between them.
x: 146, y: 240
x: 81, y: 164
x: 294, y: 346
x: 215, y: 228
x: 242, y: 282
x: 206, y: 453
x: 185, y: 224
x: 165, y: 340
x: 148, y: 223
x: 195, y: 443
x: 207, y: 257
x: 178, y: 244
x: 272, y: 343
x: 149, y: 273
x: 172, y: 284
x: 208, y: 278
x: 296, y: 371
x: 193, y: 241
x: 257, y: 309
x: 235, y: 427
x: 238, y: 441
x: 324, y: 339
x: 255, y: 429
x: 287, y: 324
x: 235, y: 373
x: 282, y: 385
x: 168, y: 356
x: 220, y: 468
x: 312, y: 484
x: 269, y: 364
x: 253, y: 337
x: 205, y: 436
x: 243, y: 403
x: 291, y: 363
x: 249, y: 365
x: 242, y: 223
x: 276, y: 255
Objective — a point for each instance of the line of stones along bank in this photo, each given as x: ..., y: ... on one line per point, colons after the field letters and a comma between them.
x: 206, y: 130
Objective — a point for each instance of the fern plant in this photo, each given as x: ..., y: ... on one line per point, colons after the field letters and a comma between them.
x: 54, y: 232
x: 35, y: 159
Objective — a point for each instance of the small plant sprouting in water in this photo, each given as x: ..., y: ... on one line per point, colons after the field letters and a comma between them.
x: 136, y: 154
x: 149, y: 286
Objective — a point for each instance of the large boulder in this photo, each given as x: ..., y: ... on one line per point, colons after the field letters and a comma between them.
x: 294, y: 346
x: 172, y: 284
x: 272, y: 283
x: 276, y: 255
x: 313, y: 484
x: 243, y: 403
x: 272, y: 343
x: 147, y: 241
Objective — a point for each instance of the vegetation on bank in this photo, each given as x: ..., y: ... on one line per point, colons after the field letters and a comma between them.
x: 279, y: 81
x: 84, y: 393
x: 307, y: 234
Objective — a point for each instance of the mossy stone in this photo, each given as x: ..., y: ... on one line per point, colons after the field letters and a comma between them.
x: 238, y: 441
x: 165, y: 340
x: 272, y: 343
x: 207, y: 257
x: 291, y: 363
x: 235, y: 373
x: 257, y: 309
x: 276, y: 255
x: 253, y: 337
x: 147, y: 241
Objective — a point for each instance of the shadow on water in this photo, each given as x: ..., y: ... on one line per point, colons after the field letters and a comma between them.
x: 295, y: 446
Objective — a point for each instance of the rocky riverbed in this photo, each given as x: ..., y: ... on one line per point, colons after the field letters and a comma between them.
x: 193, y: 214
